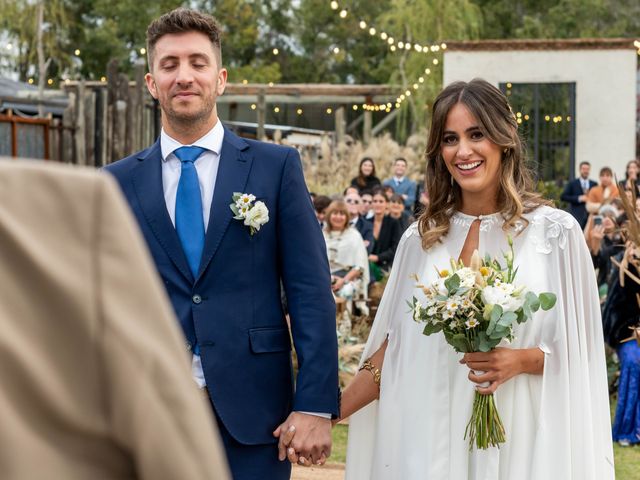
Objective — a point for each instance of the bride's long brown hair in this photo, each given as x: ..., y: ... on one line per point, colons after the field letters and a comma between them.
x: 497, y: 122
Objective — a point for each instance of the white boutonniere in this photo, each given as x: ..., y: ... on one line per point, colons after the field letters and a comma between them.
x: 253, y: 214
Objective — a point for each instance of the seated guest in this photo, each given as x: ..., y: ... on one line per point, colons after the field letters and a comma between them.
x: 397, y: 211
x: 388, y: 191
x: 401, y: 185
x: 320, y: 204
x: 366, y: 179
x: 365, y: 208
x: 603, y: 193
x: 364, y: 226
x: 347, y: 256
x: 386, y: 235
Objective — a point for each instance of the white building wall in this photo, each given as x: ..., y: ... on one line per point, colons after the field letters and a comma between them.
x: 605, y: 93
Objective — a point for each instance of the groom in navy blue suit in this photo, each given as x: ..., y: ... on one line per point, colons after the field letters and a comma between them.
x: 224, y: 259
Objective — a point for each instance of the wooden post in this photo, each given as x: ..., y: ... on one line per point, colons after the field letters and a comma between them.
x: 262, y: 114
x: 112, y: 95
x: 341, y: 124
x: 366, y: 130
x: 90, y: 126
x: 124, y: 95
x: 79, y: 132
x: 138, y: 101
x: 68, y: 118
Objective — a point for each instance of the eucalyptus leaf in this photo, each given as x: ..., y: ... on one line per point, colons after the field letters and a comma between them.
x: 547, y: 300
x: 531, y: 300
x: 507, y: 319
x: 431, y: 328
x: 459, y: 342
x: 483, y: 344
x: 452, y: 283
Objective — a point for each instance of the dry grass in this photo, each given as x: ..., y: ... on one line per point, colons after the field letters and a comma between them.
x: 329, y: 168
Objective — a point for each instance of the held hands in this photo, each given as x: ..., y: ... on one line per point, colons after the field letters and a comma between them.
x: 501, y: 364
x: 304, y: 439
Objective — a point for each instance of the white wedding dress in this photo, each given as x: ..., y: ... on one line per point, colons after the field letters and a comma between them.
x: 557, y: 424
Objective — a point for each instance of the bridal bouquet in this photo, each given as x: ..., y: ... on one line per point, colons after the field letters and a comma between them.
x: 475, y: 308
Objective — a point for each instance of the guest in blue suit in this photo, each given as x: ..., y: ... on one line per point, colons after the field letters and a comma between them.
x: 229, y: 223
x: 402, y: 185
x: 575, y: 194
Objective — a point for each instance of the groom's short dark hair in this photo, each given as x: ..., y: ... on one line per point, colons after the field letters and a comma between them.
x: 183, y: 20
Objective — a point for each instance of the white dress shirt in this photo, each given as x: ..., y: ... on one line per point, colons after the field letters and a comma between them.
x: 207, y: 169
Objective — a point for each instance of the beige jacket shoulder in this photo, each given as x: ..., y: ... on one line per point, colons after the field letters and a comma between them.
x: 94, y: 381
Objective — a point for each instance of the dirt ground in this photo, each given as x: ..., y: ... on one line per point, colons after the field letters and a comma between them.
x: 333, y: 471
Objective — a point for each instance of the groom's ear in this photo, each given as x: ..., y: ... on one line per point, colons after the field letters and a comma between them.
x: 151, y: 85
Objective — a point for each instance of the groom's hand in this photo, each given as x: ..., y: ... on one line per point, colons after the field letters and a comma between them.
x: 308, y: 443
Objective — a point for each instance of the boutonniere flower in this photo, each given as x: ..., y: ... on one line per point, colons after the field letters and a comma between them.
x: 253, y: 214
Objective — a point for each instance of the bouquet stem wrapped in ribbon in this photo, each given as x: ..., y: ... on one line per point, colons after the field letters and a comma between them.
x: 475, y: 308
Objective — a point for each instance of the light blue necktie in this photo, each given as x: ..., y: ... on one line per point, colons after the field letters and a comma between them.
x: 189, y: 221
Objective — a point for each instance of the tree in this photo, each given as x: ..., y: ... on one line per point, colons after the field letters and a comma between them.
x: 20, y: 24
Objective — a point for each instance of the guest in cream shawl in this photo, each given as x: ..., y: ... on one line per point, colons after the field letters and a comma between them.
x: 347, y: 256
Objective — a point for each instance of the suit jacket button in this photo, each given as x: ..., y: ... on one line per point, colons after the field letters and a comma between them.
x: 197, y: 299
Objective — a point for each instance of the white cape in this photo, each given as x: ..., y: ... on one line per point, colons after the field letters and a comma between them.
x: 557, y: 424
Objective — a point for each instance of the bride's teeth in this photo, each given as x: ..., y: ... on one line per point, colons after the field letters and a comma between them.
x: 468, y: 166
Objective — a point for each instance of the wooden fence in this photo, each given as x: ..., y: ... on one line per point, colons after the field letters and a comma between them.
x: 108, y: 120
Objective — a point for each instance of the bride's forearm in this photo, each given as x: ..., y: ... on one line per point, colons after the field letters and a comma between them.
x: 363, y: 389
x: 531, y: 360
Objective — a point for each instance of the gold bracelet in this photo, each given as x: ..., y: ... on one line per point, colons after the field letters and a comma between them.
x: 375, y: 371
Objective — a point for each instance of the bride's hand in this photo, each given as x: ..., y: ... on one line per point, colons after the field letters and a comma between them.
x: 502, y: 364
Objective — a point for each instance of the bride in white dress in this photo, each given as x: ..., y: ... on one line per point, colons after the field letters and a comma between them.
x: 550, y: 383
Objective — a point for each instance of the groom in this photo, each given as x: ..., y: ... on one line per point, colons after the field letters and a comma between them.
x: 225, y: 258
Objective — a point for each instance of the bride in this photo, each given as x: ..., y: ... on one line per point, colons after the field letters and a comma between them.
x: 413, y: 394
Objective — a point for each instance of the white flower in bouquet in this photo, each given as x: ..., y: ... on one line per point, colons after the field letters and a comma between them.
x: 467, y: 277
x: 502, y: 295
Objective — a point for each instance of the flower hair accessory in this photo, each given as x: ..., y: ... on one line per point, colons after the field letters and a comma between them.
x: 253, y: 214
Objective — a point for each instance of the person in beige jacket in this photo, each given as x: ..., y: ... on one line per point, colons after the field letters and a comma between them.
x: 94, y: 379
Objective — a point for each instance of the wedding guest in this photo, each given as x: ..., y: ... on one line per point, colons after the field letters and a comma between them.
x: 364, y: 226
x: 397, y: 211
x: 631, y: 182
x: 386, y: 235
x: 602, y: 234
x: 94, y: 379
x: 347, y: 256
x: 402, y: 185
x: 602, y: 193
x: 620, y: 320
x: 415, y: 393
x: 575, y: 194
x: 365, y: 209
x: 366, y: 179
x: 388, y: 191
x: 320, y: 204
x: 350, y: 189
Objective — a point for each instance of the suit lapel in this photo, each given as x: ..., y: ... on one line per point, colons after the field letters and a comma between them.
x: 233, y: 173
x: 147, y: 183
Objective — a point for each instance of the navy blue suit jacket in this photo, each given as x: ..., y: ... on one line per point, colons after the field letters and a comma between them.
x: 235, y: 300
x: 571, y: 192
